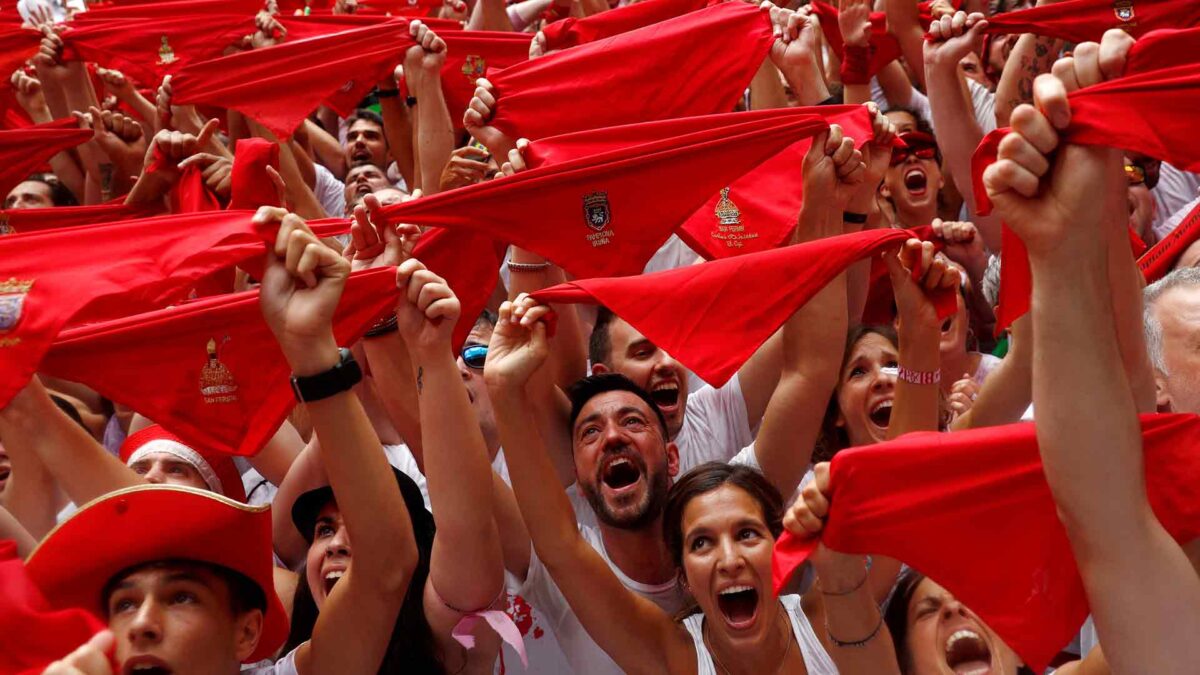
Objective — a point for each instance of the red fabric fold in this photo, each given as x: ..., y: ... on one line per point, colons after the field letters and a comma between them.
x: 469, y: 56
x: 215, y: 375
x: 712, y: 317
x: 24, y: 221
x: 22, y: 151
x: 1086, y: 20
x: 606, y: 214
x: 279, y: 86
x: 147, y: 49
x: 573, y: 31
x: 884, y: 47
x: 97, y: 272
x: 168, y: 10
x: 696, y: 64
x: 470, y: 264
x: 972, y: 511
x: 251, y: 185
x: 32, y: 635
x: 762, y: 206
x: 1157, y: 262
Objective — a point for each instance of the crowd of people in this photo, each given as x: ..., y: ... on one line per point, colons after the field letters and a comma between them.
x: 582, y: 336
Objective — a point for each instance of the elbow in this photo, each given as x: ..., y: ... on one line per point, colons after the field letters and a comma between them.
x: 398, y: 569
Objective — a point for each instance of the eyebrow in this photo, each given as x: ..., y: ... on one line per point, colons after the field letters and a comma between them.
x: 643, y: 342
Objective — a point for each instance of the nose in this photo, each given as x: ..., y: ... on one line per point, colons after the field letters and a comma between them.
x: 952, y: 608
x: 146, y: 627
x: 730, y: 560
x: 883, y: 381
x: 155, y: 475
x: 339, y: 544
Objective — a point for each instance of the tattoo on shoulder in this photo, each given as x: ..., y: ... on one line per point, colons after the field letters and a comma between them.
x: 420, y: 379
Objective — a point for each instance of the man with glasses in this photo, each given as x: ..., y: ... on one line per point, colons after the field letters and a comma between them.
x: 1142, y: 173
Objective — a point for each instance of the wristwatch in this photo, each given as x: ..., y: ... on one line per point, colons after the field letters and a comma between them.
x: 344, y: 375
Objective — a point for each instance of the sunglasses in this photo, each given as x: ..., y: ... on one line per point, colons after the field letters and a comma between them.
x: 475, y: 356
x: 915, y: 143
x: 1138, y: 175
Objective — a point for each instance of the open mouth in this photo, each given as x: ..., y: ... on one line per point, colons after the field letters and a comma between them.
x: 947, y: 324
x: 362, y: 189
x: 621, y: 473
x: 331, y: 579
x: 915, y: 181
x: 881, y: 414
x: 360, y: 154
x: 739, y: 605
x: 4, y: 474
x: 665, y: 395
x: 967, y: 653
x: 145, y: 665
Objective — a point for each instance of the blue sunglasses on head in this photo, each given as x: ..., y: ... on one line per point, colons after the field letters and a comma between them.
x: 474, y: 356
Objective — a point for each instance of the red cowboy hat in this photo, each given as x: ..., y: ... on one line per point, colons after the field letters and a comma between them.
x: 218, y: 471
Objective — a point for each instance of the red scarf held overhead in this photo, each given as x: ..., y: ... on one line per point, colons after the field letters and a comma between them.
x: 22, y: 151
x: 761, y: 207
x: 32, y: 635
x: 250, y: 184
x: 97, y: 272
x: 606, y: 214
x: 572, y: 31
x: 209, y: 370
x: 1086, y: 20
x: 1158, y: 262
x: 1126, y: 113
x: 301, y: 27
x: 884, y: 47
x: 279, y: 86
x: 712, y: 317
x: 972, y: 511
x: 24, y: 221
x: 696, y: 64
x: 168, y: 10
x: 470, y: 264
x: 469, y: 56
x: 148, y: 49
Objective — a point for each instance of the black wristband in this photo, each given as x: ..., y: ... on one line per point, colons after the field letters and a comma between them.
x: 387, y: 93
x: 410, y: 100
x: 382, y: 327
x: 342, y: 377
x: 856, y: 218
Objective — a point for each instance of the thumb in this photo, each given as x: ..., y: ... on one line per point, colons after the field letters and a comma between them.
x: 206, y: 133
x: 895, y: 268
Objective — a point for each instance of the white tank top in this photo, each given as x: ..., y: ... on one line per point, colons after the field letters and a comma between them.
x: 816, y: 659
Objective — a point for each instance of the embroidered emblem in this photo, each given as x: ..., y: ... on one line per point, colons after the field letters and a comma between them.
x: 473, y: 68
x: 216, y: 382
x: 12, y: 302
x: 598, y: 216
x: 165, y: 54
x: 729, y: 229
x: 1123, y: 9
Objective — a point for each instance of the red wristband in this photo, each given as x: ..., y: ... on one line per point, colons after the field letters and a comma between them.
x: 856, y: 65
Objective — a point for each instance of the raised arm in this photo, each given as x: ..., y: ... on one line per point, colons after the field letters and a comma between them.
x: 952, y: 38
x: 1143, y: 592
x: 903, y: 20
x: 300, y: 291
x: 1008, y: 390
x: 813, y: 337
x: 434, y: 133
x: 466, y: 571
x: 1030, y: 57
x: 796, y: 52
x: 632, y: 630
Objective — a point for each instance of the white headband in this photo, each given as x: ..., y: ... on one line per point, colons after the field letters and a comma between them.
x: 182, y: 452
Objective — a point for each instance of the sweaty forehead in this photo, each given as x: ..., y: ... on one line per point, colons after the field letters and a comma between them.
x: 360, y: 126
x: 610, y: 403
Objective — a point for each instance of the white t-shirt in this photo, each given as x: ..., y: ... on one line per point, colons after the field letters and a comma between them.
x: 330, y: 191
x: 715, y: 426
x: 1175, y: 189
x: 286, y: 665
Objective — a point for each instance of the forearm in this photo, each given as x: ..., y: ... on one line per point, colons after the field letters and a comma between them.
x: 277, y: 456
x: 32, y: 425
x: 435, y: 133
x: 766, y: 89
x: 851, y: 614
x: 467, y: 566
x: 396, y: 385
x: 1008, y: 390
x: 1032, y: 56
x: 326, y: 148
x: 916, y: 406
x: 904, y: 21
x: 299, y: 195
x: 1127, y: 284
x: 68, y: 172
x: 568, y: 356
x: 807, y: 81
x: 304, y: 163
x: 306, y: 473
x: 544, y: 506
x: 958, y: 131
x: 372, y: 508
x: 397, y: 128
x: 895, y: 83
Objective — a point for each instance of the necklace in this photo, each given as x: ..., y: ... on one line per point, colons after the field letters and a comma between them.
x: 787, y: 647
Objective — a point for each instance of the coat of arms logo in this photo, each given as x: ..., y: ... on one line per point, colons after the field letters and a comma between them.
x: 473, y: 68
x: 1123, y: 9
x: 12, y: 302
x: 216, y: 382
x: 595, y: 210
x: 166, y: 55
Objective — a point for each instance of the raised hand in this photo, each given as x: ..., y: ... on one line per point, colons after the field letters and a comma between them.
x: 1083, y: 184
x: 119, y: 136
x: 962, y: 394
x: 428, y: 309
x: 854, y: 20
x: 217, y: 172
x: 28, y: 90
x: 477, y: 118
x: 373, y: 245
x: 183, y: 118
x: 833, y: 166
x: 48, y: 60
x: 300, y: 290
x: 877, y: 155
x: 953, y: 36
x: 468, y: 165
x: 115, y: 82
x: 175, y: 146
x: 797, y: 36
x: 427, y: 57
x: 516, y: 160
x: 91, y: 658
x: 538, y: 46
x: 519, y: 343
x: 964, y: 245
x: 917, y: 274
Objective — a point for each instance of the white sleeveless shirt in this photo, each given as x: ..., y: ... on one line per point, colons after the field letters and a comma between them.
x: 816, y: 659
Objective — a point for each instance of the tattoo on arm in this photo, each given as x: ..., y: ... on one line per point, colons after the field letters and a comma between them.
x: 420, y: 379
